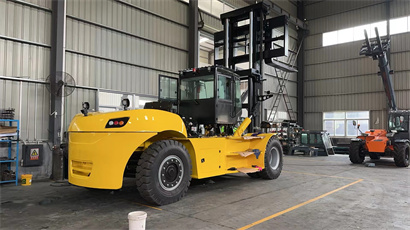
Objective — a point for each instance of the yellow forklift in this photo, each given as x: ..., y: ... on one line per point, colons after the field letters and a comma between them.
x: 202, y: 139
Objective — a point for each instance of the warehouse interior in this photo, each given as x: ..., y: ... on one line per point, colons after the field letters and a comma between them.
x: 69, y: 69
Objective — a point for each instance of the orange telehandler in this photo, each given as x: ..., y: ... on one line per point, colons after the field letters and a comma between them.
x: 379, y: 142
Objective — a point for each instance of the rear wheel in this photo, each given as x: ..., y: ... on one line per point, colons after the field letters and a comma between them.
x: 356, y: 152
x: 374, y: 156
x: 401, y: 154
x: 164, y: 172
x: 273, y: 160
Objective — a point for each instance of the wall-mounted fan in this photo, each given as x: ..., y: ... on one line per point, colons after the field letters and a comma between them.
x: 64, y: 86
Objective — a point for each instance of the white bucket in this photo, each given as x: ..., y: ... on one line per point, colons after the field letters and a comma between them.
x: 136, y: 220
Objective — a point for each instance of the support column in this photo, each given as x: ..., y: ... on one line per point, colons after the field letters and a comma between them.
x: 193, y: 38
x: 57, y: 66
x: 300, y: 65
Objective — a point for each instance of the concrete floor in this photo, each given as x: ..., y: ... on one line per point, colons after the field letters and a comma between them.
x: 311, y: 193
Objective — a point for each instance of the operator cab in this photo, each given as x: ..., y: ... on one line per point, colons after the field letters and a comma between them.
x: 399, y: 123
x: 210, y: 95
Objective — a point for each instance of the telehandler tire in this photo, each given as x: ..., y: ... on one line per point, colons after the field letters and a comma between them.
x: 356, y: 152
x: 164, y: 172
x: 401, y: 154
x: 273, y: 160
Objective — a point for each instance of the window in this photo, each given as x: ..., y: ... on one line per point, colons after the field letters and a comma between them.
x: 381, y: 26
x: 399, y: 122
x: 197, y: 88
x: 340, y: 124
x: 168, y: 88
x: 345, y: 35
x: 397, y: 25
x: 224, y: 87
x: 214, y: 7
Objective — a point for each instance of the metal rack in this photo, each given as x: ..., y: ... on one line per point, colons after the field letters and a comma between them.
x: 8, y: 138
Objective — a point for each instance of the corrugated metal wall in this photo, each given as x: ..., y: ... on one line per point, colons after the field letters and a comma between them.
x: 336, y: 77
x: 25, y: 53
x: 124, y: 45
x: 119, y: 45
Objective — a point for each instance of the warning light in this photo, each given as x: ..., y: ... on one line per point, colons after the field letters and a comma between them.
x: 117, y: 122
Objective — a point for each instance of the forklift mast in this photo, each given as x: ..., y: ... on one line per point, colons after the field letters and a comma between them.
x: 377, y: 48
x: 248, y: 40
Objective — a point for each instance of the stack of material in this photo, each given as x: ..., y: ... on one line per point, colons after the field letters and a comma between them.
x: 7, y: 113
x: 8, y: 129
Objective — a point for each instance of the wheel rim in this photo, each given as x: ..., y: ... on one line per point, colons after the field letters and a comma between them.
x: 274, y: 158
x: 170, y: 173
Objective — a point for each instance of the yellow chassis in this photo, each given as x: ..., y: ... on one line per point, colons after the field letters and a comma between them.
x: 98, y: 155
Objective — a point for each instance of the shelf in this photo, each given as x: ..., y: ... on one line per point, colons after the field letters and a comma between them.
x: 8, y: 140
x: 11, y: 132
x: 8, y: 181
x: 8, y: 134
x: 7, y: 161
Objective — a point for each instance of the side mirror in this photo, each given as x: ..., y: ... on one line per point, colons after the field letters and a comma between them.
x: 86, y: 107
x: 354, y: 123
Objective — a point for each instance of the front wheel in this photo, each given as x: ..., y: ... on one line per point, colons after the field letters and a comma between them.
x: 273, y: 160
x: 356, y: 152
x: 164, y: 172
x: 401, y: 154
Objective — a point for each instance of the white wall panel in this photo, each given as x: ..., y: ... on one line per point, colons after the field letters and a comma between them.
x: 400, y: 42
x: 22, y: 60
x: 399, y: 8
x: 134, y: 21
x: 95, y: 72
x: 333, y: 7
x: 41, y: 3
x: 24, y: 22
x: 172, y: 9
x: 35, y: 107
x: 313, y: 121
x: 354, y: 84
x: 360, y: 16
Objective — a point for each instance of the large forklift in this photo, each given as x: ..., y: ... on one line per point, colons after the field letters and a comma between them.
x: 379, y: 142
x: 163, y: 149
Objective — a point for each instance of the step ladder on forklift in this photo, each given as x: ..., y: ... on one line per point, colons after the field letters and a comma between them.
x: 286, y: 68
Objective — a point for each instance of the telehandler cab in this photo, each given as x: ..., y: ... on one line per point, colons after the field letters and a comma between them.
x: 164, y: 150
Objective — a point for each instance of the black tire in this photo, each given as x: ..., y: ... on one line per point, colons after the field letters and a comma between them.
x: 273, y: 160
x: 356, y: 152
x: 164, y: 172
x: 374, y: 156
x: 254, y: 175
x: 401, y: 154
